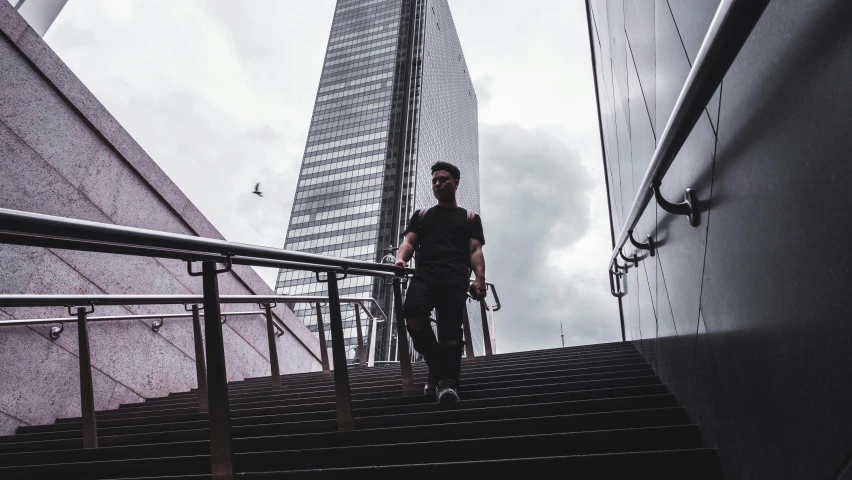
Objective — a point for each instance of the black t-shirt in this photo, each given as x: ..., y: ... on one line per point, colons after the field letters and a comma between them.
x: 442, y: 252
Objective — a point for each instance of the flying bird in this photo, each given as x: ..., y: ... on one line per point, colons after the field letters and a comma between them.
x: 257, y: 190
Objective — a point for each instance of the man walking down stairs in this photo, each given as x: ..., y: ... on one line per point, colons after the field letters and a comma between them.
x: 595, y: 411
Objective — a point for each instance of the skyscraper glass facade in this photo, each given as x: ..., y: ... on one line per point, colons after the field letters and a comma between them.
x: 353, y: 191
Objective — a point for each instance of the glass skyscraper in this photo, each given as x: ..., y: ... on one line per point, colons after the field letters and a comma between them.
x: 355, y: 192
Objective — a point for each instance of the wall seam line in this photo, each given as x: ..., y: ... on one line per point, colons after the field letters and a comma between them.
x: 94, y: 367
x: 156, y: 260
x: 709, y: 205
x: 15, y: 418
x: 112, y: 146
x: 122, y: 306
x: 617, y: 157
x: 689, y: 61
x: 668, y: 298
x: 639, y: 80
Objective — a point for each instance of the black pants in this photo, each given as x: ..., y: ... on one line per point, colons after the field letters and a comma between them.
x: 443, y: 358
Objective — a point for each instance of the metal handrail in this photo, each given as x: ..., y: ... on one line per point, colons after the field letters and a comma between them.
x: 360, y: 301
x: 496, y: 307
x: 113, y: 300
x: 39, y: 230
x: 728, y: 32
x: 14, y: 300
x: 110, y: 318
x: 47, y: 231
x: 315, y: 299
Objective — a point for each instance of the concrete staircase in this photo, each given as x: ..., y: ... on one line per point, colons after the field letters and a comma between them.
x: 596, y: 411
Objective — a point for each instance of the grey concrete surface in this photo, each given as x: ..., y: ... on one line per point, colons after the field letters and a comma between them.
x: 62, y: 153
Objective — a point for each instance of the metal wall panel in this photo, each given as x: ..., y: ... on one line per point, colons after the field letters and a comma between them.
x: 752, y: 306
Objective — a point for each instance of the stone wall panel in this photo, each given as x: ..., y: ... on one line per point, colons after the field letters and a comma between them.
x: 64, y: 154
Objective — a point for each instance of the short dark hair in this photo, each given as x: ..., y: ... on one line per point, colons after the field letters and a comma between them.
x: 447, y: 167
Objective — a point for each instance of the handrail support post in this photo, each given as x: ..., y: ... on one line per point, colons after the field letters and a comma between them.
x: 200, y: 366
x: 87, y: 394
x: 468, y: 336
x: 371, y: 357
x: 338, y: 352
x: 273, y: 348
x: 403, y: 352
x: 486, y: 329
x: 221, y: 453
x: 361, y: 358
x: 323, y: 345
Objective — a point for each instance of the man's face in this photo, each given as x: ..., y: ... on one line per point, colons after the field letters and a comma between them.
x: 443, y: 185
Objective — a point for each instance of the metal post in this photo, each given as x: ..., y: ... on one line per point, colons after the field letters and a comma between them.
x: 323, y: 344
x: 87, y: 393
x: 468, y: 337
x: 371, y: 358
x: 361, y: 358
x: 200, y: 367
x: 486, y: 330
x: 221, y: 455
x: 338, y: 352
x: 273, y: 349
x: 403, y: 352
x: 492, y: 329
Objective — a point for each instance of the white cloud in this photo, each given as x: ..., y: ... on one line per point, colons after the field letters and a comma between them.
x: 544, y: 197
x: 220, y: 94
x: 538, y: 198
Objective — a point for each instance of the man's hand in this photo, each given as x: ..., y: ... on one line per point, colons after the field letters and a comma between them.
x: 477, y: 289
x: 400, y: 263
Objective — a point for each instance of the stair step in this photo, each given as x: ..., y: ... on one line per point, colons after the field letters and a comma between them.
x: 395, y: 385
x: 326, y: 421
x: 468, y: 372
x: 138, y: 446
x: 399, y: 406
x: 598, y: 409
x: 392, y: 398
x: 695, y: 464
x: 440, y: 450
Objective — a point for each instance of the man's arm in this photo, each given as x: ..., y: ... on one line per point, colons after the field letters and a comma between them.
x: 406, y: 250
x: 477, y: 264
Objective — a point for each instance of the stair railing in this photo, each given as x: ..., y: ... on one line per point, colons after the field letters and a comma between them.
x: 488, y: 339
x: 38, y: 230
x: 84, y: 306
x: 728, y: 32
x: 358, y: 304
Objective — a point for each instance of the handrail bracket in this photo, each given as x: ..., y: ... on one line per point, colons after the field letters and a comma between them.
x: 633, y: 259
x: 688, y: 207
x: 648, y: 245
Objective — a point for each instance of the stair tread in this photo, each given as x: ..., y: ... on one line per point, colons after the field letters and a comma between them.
x: 600, y: 407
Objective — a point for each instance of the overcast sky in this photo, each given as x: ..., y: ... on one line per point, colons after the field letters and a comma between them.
x: 220, y: 93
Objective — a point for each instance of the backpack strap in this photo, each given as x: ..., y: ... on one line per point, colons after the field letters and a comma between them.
x: 422, y: 213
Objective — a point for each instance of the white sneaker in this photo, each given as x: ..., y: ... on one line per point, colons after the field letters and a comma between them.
x: 430, y: 390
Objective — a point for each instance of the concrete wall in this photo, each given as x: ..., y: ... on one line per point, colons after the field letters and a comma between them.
x: 746, y: 317
x: 62, y: 153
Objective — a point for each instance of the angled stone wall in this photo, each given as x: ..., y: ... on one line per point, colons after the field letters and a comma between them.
x: 62, y: 153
